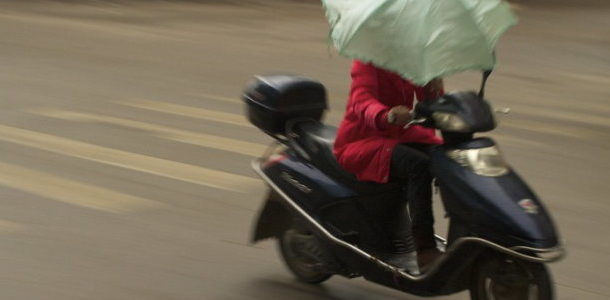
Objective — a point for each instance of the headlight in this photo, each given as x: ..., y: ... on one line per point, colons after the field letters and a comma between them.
x: 449, y: 122
x: 484, y: 161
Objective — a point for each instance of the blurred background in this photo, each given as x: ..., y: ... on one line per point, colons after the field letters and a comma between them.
x: 124, y: 154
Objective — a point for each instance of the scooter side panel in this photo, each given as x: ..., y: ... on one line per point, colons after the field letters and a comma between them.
x: 304, y: 183
x: 450, y: 277
x: 338, y: 208
x: 503, y: 209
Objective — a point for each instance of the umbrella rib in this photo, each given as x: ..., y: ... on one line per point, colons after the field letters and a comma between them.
x: 399, y: 14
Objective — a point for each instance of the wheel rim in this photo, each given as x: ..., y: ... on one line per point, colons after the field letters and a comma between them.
x: 302, y: 263
x: 507, y: 279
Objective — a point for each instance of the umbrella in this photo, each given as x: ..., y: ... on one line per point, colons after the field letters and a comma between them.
x: 419, y: 39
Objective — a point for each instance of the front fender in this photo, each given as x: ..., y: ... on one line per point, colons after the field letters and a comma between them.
x: 272, y: 220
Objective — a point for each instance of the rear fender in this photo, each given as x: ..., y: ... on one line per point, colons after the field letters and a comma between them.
x: 272, y: 220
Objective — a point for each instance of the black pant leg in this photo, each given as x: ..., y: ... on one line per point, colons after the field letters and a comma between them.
x: 411, y: 165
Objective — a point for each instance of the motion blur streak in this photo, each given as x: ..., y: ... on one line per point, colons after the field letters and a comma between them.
x: 191, y: 112
x: 142, y: 163
x: 50, y: 186
x: 204, y: 140
x: 8, y: 226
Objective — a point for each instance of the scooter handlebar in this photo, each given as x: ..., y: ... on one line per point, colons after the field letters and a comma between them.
x: 416, y: 121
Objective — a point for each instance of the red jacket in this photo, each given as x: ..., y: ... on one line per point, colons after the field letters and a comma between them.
x: 365, y: 140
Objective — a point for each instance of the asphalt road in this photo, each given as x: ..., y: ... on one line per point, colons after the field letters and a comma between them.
x: 124, y: 155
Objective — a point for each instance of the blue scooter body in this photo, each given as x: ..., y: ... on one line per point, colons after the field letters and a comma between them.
x: 331, y: 210
x: 496, y: 213
x: 501, y: 209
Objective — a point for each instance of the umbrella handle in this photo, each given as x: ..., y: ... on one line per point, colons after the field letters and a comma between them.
x: 486, y: 74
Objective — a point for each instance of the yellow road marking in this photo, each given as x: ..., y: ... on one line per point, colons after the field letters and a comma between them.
x: 334, y: 115
x: 50, y: 186
x: 8, y: 226
x: 128, y: 160
x: 235, y: 99
x: 189, y: 111
x: 204, y: 140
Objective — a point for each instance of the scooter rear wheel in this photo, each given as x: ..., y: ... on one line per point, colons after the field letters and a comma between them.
x: 294, y: 245
x: 499, y: 277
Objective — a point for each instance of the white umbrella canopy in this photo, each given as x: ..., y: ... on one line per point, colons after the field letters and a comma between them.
x: 420, y: 39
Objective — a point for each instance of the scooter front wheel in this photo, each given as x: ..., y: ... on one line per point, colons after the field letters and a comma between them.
x: 499, y: 277
x: 299, y: 250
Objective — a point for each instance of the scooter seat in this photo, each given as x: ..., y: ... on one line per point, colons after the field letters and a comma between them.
x: 316, y: 140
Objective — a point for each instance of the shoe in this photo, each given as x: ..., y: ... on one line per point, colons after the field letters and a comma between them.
x: 404, y: 261
x: 426, y: 258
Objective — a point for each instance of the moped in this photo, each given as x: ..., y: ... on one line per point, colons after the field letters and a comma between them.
x: 500, y: 234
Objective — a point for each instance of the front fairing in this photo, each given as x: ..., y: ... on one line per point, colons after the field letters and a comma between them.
x: 474, y: 111
x: 502, y: 209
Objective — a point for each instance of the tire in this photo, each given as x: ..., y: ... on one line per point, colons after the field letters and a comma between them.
x: 499, y: 277
x: 305, y: 267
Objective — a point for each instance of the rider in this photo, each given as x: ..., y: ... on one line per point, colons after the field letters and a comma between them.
x: 373, y: 144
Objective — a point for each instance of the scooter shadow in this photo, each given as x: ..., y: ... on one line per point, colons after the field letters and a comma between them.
x: 340, y: 289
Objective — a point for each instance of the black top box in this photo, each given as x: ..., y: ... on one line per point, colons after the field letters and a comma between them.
x: 271, y: 101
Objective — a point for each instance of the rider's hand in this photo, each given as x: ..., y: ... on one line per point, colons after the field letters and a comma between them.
x: 399, y: 115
